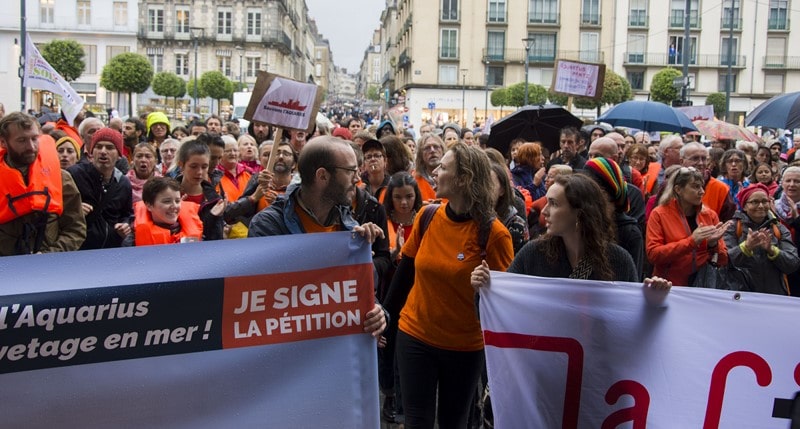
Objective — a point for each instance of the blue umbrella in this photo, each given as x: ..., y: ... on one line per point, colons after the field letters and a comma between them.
x: 781, y: 111
x: 648, y: 116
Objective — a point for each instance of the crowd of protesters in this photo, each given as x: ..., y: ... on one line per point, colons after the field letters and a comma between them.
x: 440, y: 211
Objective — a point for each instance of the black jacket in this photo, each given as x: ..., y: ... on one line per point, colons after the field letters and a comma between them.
x: 111, y: 202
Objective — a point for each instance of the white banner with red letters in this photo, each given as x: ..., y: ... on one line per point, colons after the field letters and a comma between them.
x: 580, y: 354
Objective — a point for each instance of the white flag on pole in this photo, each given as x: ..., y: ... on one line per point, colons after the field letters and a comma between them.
x: 39, y: 74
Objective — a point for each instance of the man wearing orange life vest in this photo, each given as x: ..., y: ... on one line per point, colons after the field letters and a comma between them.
x: 41, y: 208
x: 429, y: 155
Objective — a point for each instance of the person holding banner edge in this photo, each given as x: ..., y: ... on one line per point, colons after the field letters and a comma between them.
x: 439, y: 342
x: 321, y: 203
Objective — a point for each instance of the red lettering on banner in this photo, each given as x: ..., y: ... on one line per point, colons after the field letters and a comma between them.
x: 719, y: 379
x: 637, y: 414
x: 570, y: 346
x: 303, y: 305
x: 797, y: 374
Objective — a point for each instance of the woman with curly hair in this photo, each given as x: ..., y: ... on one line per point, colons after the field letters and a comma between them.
x: 439, y: 340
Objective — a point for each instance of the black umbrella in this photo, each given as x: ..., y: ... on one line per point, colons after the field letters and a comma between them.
x: 781, y: 111
x: 532, y: 123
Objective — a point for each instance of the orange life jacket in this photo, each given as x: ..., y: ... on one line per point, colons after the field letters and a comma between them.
x: 230, y: 190
x: 43, y: 191
x: 650, y: 179
x: 148, y: 233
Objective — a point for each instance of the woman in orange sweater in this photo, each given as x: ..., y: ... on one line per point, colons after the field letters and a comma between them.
x: 683, y: 234
x: 439, y: 343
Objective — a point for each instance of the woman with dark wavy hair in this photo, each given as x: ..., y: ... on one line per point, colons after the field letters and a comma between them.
x: 439, y: 340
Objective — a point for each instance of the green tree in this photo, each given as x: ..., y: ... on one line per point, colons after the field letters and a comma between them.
x: 130, y: 73
x: 215, y: 85
x: 499, y: 97
x: 661, y: 88
x: 537, y: 94
x: 718, y: 100
x: 201, y: 93
x: 373, y: 93
x: 66, y: 56
x: 557, y: 98
x: 168, y: 84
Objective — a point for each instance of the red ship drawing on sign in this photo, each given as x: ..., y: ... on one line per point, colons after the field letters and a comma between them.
x: 291, y: 105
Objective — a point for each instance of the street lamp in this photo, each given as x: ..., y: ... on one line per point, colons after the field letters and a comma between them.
x: 240, y: 50
x: 463, y: 97
x: 529, y: 43
x: 486, y: 94
x: 197, y: 33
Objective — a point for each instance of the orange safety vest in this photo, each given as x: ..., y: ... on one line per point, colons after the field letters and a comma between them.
x: 43, y: 191
x: 426, y: 191
x: 231, y: 191
x: 650, y: 179
x: 149, y: 234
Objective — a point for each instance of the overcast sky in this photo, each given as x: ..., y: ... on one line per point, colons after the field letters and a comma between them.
x: 348, y: 26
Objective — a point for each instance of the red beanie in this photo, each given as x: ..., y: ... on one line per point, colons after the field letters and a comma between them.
x: 107, y: 135
x: 745, y: 193
x: 342, y: 133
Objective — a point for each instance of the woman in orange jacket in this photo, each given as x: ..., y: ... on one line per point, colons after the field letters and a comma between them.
x: 682, y: 234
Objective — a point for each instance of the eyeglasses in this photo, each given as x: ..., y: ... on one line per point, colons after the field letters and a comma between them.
x: 351, y: 170
x: 756, y: 203
x: 374, y: 156
x: 432, y: 148
x: 166, y: 150
x: 735, y: 161
x: 698, y: 158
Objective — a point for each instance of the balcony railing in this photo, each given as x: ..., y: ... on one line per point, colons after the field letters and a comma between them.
x: 676, y: 18
x: 781, y: 62
x: 405, y: 58
x: 779, y: 24
x: 540, y: 57
x: 725, y: 23
x: 638, y: 19
x: 544, y: 18
x: 590, y: 19
x: 664, y: 59
x: 278, y: 39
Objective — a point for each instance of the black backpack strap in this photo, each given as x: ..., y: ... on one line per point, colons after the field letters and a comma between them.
x: 426, y: 218
x: 484, y: 231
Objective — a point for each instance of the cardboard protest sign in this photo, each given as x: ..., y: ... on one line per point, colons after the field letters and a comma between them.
x: 284, y: 102
x: 579, y: 78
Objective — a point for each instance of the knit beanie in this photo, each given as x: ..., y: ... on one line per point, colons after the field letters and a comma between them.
x: 157, y: 118
x: 342, y: 133
x: 69, y: 140
x: 745, y: 193
x: 107, y: 135
x: 609, y: 176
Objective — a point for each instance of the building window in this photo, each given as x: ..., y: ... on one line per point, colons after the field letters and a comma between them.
x: 543, y: 11
x: 90, y: 58
x: 46, y: 10
x: 776, y: 52
x: 224, y: 21
x: 675, y: 50
x: 113, y: 51
x: 496, y: 45
x: 637, y: 43
x: 590, y: 47
x: 156, y: 58
x: 495, y: 75
x: 449, y: 10
x: 497, y: 11
x: 678, y: 10
x: 448, y: 74
x: 544, y: 47
x: 637, y: 17
x: 84, y: 12
x: 253, y: 66
x: 224, y: 65
x: 182, y: 64
x: 724, y: 58
x: 590, y: 12
x: 773, y: 83
x: 730, y: 12
x: 636, y: 79
x: 155, y: 20
x: 448, y: 46
x: 182, y: 20
x: 778, y: 15
x: 120, y: 13
x: 253, y: 23
x: 723, y: 80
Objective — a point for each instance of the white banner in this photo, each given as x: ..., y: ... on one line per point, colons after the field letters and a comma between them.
x: 39, y: 74
x: 580, y: 354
